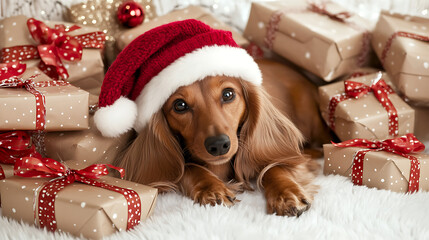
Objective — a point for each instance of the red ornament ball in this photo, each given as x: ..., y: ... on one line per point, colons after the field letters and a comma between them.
x: 130, y: 14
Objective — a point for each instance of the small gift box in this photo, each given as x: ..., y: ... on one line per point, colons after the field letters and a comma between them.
x: 393, y: 164
x: 402, y: 45
x: 365, y: 107
x: 326, y: 40
x: 36, y: 102
x: 80, y: 149
x: 191, y: 12
x: 76, y: 201
x: 62, y: 51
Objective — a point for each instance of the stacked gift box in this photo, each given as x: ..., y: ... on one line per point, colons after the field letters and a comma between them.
x: 50, y: 78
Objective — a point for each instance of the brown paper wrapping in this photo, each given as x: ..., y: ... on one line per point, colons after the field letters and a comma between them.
x: 192, y: 12
x: 325, y: 47
x: 407, y: 61
x: 364, y: 117
x: 80, y: 149
x: 7, y: 169
x: 421, y: 129
x: 66, y: 106
x: 382, y: 170
x: 79, y: 208
x: 87, y: 74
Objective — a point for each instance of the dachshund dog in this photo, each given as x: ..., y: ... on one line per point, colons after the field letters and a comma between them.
x: 212, y: 138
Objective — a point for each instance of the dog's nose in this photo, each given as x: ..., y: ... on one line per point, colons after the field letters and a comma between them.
x: 217, y: 145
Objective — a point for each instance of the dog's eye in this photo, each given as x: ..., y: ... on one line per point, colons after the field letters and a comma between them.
x: 180, y: 106
x: 228, y: 95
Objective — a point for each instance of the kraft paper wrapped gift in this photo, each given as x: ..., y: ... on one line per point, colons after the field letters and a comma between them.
x: 88, y: 73
x: 66, y: 106
x: 6, y: 170
x: 364, y: 117
x: 80, y: 209
x: 191, y: 12
x: 79, y: 149
x: 405, y: 58
x: 382, y: 170
x: 326, y: 47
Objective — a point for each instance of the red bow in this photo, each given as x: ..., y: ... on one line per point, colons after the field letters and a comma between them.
x: 62, y: 177
x: 54, y: 45
x: 400, y: 146
x: 356, y: 90
x: 321, y: 9
x: 400, y: 34
x: 11, y: 70
x: 15, y: 145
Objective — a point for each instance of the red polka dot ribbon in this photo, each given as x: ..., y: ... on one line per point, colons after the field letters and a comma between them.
x: 273, y: 26
x: 355, y: 90
x: 402, y: 146
x: 54, y: 45
x: 30, y: 86
x: 62, y: 177
x: 400, y: 34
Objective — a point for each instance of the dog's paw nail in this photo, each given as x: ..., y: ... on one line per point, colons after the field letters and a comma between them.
x: 231, y: 199
x: 219, y: 201
x: 300, y: 212
x: 305, y: 201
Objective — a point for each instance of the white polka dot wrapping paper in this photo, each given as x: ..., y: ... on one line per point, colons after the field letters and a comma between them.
x: 406, y: 59
x: 364, y: 117
x: 325, y: 47
x: 88, y: 73
x: 79, y: 149
x: 66, y: 106
x: 191, y: 12
x: 79, y: 208
x: 382, y: 170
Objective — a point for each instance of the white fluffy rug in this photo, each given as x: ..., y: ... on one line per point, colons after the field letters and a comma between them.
x: 340, y: 211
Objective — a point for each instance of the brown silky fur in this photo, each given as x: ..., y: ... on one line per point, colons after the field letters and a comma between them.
x: 265, y: 146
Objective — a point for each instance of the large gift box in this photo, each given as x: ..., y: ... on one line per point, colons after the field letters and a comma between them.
x: 42, y: 104
x: 93, y: 209
x: 402, y: 45
x: 79, y: 149
x: 59, y: 57
x: 192, y: 12
x: 375, y: 165
x: 326, y: 40
x: 365, y: 107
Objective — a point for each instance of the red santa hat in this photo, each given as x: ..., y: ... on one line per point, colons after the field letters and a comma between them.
x: 152, y: 67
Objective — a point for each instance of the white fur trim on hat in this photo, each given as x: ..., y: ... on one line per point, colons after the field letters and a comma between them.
x: 117, y: 118
x: 206, y: 61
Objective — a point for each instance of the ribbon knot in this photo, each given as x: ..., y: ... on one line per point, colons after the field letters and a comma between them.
x: 355, y: 90
x: 321, y: 9
x: 14, y: 145
x: 402, y: 146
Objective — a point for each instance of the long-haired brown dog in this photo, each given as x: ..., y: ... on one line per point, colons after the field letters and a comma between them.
x: 222, y: 129
x: 206, y: 126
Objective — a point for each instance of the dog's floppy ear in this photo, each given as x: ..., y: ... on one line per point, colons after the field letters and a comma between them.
x: 155, y: 157
x: 267, y: 137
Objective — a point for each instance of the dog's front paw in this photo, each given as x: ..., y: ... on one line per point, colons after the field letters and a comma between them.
x: 208, y: 192
x: 287, y: 202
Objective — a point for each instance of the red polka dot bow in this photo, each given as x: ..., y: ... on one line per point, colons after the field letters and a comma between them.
x: 402, y: 146
x: 64, y: 176
x: 11, y: 70
x: 400, y: 34
x: 53, y: 46
x: 355, y: 90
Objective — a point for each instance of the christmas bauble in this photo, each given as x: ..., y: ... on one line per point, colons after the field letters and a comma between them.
x: 130, y: 14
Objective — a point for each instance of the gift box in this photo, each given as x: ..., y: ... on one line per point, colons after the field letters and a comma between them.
x: 369, y: 109
x: 6, y: 171
x: 421, y: 129
x: 94, y: 210
x: 402, y: 44
x: 323, y: 39
x: 86, y: 73
x: 191, y: 12
x: 79, y: 149
x: 381, y: 169
x: 66, y: 106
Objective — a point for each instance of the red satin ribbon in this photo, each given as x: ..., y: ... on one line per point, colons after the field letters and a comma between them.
x: 30, y: 86
x: 400, y: 34
x: 356, y: 90
x: 62, y: 177
x: 402, y: 146
x: 11, y: 70
x: 15, y: 145
x: 54, y: 45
